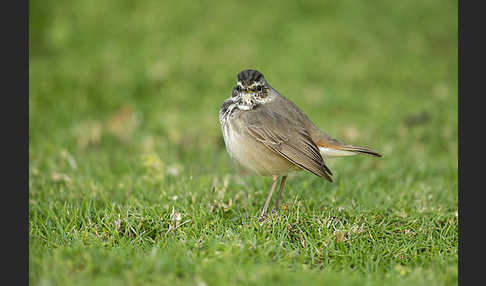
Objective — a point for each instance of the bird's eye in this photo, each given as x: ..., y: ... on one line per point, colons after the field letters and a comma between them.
x: 259, y: 88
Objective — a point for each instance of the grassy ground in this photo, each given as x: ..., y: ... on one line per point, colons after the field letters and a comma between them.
x: 129, y: 180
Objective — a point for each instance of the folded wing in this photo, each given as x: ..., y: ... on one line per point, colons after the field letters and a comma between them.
x: 287, y: 139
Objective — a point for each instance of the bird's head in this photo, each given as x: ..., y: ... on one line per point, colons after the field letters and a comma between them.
x: 251, y: 89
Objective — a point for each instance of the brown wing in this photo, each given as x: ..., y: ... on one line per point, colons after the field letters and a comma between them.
x: 287, y: 139
x: 287, y: 108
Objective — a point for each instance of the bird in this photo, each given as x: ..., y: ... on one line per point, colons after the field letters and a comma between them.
x: 268, y: 135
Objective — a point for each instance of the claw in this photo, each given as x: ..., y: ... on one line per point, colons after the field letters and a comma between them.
x: 262, y: 219
x: 274, y: 211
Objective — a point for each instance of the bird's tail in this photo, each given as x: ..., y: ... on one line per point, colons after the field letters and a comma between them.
x: 347, y: 150
x: 331, y: 147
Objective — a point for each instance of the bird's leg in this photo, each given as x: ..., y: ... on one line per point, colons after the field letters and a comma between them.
x: 264, y: 211
x: 282, y: 184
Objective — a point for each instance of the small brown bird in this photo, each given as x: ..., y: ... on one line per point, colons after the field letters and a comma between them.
x: 269, y: 135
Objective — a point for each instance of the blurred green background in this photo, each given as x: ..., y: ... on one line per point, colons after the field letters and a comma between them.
x: 117, y: 85
x: 348, y: 65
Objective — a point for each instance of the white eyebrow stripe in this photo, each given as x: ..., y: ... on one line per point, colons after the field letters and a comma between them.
x: 253, y: 85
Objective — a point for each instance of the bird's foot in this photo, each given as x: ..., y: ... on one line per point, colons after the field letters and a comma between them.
x: 275, y: 212
x: 262, y: 219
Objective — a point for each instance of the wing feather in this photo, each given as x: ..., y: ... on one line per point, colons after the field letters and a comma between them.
x: 290, y: 140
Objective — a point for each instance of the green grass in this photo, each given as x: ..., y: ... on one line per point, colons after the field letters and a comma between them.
x: 129, y: 180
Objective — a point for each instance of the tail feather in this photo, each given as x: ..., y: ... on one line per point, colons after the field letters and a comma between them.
x: 360, y: 150
x: 348, y: 150
x: 335, y: 148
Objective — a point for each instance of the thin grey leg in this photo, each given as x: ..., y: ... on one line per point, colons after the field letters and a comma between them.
x: 264, y: 211
x: 282, y: 185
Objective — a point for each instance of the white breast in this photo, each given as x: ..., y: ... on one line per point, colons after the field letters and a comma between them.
x: 254, y: 155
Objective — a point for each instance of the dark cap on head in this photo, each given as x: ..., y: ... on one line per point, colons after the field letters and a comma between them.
x: 248, y: 76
